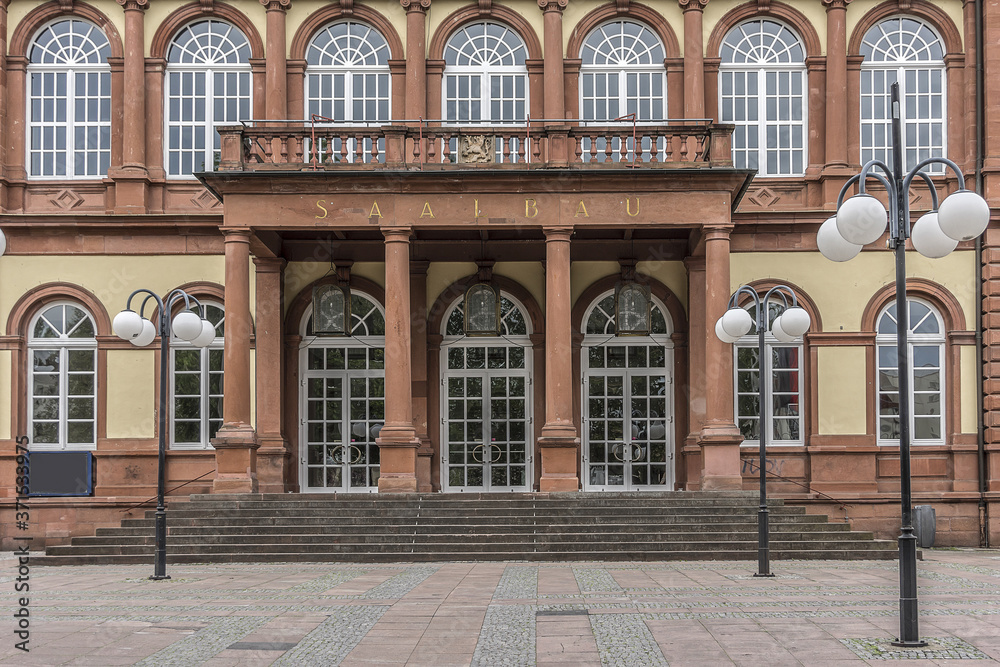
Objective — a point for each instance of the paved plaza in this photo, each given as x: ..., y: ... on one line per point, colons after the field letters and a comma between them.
x: 825, y: 613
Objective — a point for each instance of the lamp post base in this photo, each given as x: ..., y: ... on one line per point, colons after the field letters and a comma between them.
x: 917, y: 644
x: 156, y: 578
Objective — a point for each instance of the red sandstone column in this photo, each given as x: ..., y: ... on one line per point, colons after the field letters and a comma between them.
x: 276, y: 78
x: 236, y: 443
x: 3, y: 92
x: 273, y: 452
x: 416, y: 58
x: 155, y: 68
x: 420, y: 386
x: 398, y: 441
x: 559, y: 445
x: 694, y: 59
x: 696, y: 367
x: 552, y: 76
x: 836, y: 82
x: 15, y: 133
x: 131, y: 182
x: 720, y: 439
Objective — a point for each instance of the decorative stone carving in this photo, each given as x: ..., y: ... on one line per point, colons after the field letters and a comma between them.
x: 485, y: 7
x: 204, y: 200
x: 621, y: 6
x: 763, y: 197
x: 347, y: 7
x: 475, y: 149
x: 557, y: 5
x: 66, y: 200
x: 66, y: 5
x: 836, y: 4
x: 133, y: 5
x: 763, y: 5
x: 688, y: 5
x: 273, y: 5
x: 416, y: 5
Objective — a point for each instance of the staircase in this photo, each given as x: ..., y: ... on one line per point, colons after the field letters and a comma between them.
x: 673, y: 525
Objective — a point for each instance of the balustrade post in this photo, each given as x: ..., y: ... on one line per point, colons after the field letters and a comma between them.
x: 720, y: 149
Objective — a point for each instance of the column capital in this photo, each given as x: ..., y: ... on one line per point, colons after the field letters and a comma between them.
x: 718, y: 232
x: 835, y: 4
x: 415, y: 5
x: 236, y: 236
x: 397, y: 234
x: 4, y: 4
x: 557, y: 233
x: 269, y: 264
x: 134, y: 5
x: 276, y: 5
x: 692, y: 5
x: 552, y: 5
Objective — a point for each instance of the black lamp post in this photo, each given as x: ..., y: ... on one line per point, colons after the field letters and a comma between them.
x: 789, y: 324
x: 133, y: 327
x: 861, y: 220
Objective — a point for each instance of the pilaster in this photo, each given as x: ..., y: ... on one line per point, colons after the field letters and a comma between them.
x: 418, y: 357
x: 836, y: 82
x: 132, y: 179
x: 270, y: 369
x: 552, y: 77
x: 416, y: 57
x: 275, y: 52
x: 694, y: 58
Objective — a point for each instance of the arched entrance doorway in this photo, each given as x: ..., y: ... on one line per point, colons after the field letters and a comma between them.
x: 628, y: 434
x: 342, y: 402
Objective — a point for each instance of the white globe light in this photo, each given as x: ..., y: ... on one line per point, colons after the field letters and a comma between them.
x: 861, y: 219
x: 3, y: 243
x: 146, y: 336
x: 127, y: 324
x: 795, y: 321
x: 834, y: 246
x: 780, y: 333
x: 722, y: 335
x: 187, y: 325
x: 928, y: 239
x: 737, y: 322
x: 964, y: 215
x: 207, y: 335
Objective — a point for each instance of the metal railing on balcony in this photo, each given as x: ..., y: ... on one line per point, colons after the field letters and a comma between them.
x: 319, y: 144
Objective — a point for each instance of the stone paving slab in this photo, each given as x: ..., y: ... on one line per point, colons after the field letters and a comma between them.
x: 824, y: 613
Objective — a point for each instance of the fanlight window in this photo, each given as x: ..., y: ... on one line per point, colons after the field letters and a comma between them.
x: 908, y: 51
x: 623, y: 73
x: 347, y: 77
x: 925, y: 351
x: 62, y: 381
x: 207, y: 85
x: 762, y: 84
x: 367, y: 318
x: 486, y: 79
x: 69, y: 101
x: 602, y: 319
x: 513, y: 321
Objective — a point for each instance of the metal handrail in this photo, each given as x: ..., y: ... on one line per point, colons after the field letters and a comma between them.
x: 129, y: 509
x: 840, y: 503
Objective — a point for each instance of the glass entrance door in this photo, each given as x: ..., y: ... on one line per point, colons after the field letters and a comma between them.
x: 486, y: 420
x: 343, y: 395
x: 628, y: 443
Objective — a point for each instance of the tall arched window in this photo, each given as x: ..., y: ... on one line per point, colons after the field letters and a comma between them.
x: 196, y: 387
x: 343, y: 402
x: 62, y: 380
x: 347, y: 75
x: 485, y: 77
x: 623, y: 73
x: 207, y: 84
x: 907, y: 50
x: 762, y: 84
x: 925, y: 343
x: 782, y: 372
x: 486, y: 403
x: 69, y: 101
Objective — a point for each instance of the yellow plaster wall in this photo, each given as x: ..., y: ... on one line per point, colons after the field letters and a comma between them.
x: 442, y: 274
x: 671, y: 274
x: 842, y: 391
x: 299, y: 275
x: 530, y: 275
x: 6, y: 409
x: 584, y: 274
x: 110, y: 279
x: 131, y: 393
x: 969, y: 422
x: 842, y: 290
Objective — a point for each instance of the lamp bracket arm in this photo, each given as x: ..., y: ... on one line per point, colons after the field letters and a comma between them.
x: 866, y: 171
x: 749, y: 291
x: 150, y: 295
x: 930, y: 186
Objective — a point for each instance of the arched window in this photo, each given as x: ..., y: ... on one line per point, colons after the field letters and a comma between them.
x: 343, y: 402
x: 762, y: 84
x: 906, y: 50
x: 925, y: 351
x: 69, y: 101
x: 196, y: 387
x: 782, y: 372
x: 623, y: 73
x: 207, y: 84
x: 485, y: 77
x: 347, y: 75
x: 62, y: 380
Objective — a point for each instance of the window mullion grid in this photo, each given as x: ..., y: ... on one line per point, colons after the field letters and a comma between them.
x: 762, y: 124
x: 63, y: 397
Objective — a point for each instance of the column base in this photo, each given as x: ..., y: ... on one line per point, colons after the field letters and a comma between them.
x: 559, y: 450
x: 692, y: 462
x: 398, y: 459
x: 235, y: 459
x: 425, y: 455
x: 272, y: 464
x: 720, y: 448
x: 131, y: 189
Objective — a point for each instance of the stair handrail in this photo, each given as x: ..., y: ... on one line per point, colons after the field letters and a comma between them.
x: 129, y: 509
x: 808, y: 488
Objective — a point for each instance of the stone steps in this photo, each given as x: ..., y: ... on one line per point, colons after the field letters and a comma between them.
x: 475, y: 527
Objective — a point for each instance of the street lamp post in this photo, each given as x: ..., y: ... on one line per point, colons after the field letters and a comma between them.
x: 861, y: 220
x: 789, y: 324
x: 187, y: 325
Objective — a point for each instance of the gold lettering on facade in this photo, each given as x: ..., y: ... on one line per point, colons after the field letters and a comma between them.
x: 628, y: 206
x: 319, y: 205
x: 530, y: 208
x: 375, y: 212
x: 581, y: 210
x: 479, y: 214
x: 427, y: 212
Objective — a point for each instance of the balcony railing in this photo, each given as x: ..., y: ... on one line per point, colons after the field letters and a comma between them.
x: 304, y: 145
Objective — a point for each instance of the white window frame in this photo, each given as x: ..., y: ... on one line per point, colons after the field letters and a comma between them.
x: 177, y: 344
x: 766, y: 64
x: 74, y: 64
x: 900, y: 66
x: 206, y: 128
x: 770, y: 342
x: 486, y: 71
x: 913, y: 340
x: 64, y: 345
x: 351, y: 63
